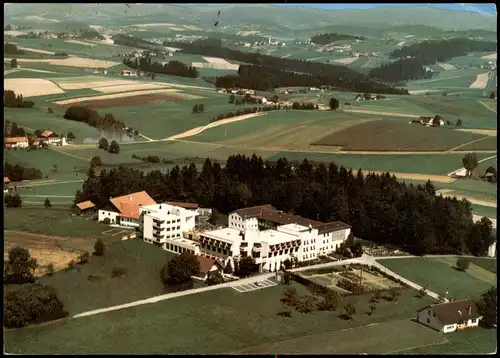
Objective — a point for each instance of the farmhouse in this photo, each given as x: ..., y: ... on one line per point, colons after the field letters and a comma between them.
x: 101, y: 71
x: 16, y: 142
x: 51, y: 138
x: 208, y: 267
x: 6, y: 182
x: 127, y: 209
x: 85, y: 206
x: 259, y: 99
x: 450, y: 316
x: 128, y: 73
x: 271, y: 236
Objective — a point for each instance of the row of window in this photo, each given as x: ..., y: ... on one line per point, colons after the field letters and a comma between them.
x: 177, y: 249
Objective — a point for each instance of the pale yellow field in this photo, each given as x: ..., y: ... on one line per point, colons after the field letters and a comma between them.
x: 481, y: 81
x: 346, y: 60
x: 248, y: 33
x: 421, y: 91
x: 93, y: 84
x: 216, y: 60
x: 493, y: 56
x: 171, y: 26
x: 131, y: 87
x: 13, y: 33
x: 36, y: 50
x: 31, y: 87
x: 216, y: 66
x: 96, y: 27
x: 114, y: 95
x: 80, y: 42
x: 39, y: 18
x: 71, y: 62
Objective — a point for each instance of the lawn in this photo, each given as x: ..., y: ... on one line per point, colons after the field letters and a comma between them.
x: 142, y: 261
x: 54, y: 222
x: 387, y: 135
x: 224, y: 321
x: 428, y: 164
x: 469, y: 341
x: 279, y: 129
x: 484, y: 211
x: 38, y: 118
x: 487, y: 263
x: 439, y: 276
x: 51, y: 190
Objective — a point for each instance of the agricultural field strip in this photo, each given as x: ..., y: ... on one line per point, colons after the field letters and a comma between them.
x: 464, y: 144
x: 71, y: 62
x: 481, y: 81
x: 487, y: 107
x: 31, y: 87
x: 116, y: 95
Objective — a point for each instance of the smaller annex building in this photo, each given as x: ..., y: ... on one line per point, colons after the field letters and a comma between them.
x: 450, y: 316
x: 127, y: 209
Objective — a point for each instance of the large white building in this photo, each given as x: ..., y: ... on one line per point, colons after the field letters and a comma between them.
x: 271, y: 236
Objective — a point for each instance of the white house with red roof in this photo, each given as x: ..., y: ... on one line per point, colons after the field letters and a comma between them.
x: 127, y: 207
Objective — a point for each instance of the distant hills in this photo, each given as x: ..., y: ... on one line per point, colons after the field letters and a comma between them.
x: 266, y: 18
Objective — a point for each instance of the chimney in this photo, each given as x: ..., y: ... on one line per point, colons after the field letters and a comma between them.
x: 470, y: 310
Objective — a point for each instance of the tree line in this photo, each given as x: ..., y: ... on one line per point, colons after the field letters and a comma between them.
x: 266, y: 78
x: 411, y: 61
x: 11, y: 49
x: 11, y: 129
x: 378, y: 207
x: 10, y: 100
x: 327, y: 38
x: 17, y: 172
x: 313, y: 73
x: 130, y: 41
x: 93, y: 119
x: 174, y: 68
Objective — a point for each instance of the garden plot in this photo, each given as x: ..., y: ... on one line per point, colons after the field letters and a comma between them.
x: 31, y: 87
x: 447, y: 66
x: 481, y: 81
x: 346, y: 60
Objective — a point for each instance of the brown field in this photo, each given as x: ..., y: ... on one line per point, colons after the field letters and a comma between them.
x: 48, y: 249
x: 387, y: 135
x: 486, y: 143
x: 125, y: 101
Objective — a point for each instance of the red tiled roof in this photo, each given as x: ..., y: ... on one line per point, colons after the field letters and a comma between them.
x: 206, y: 264
x: 129, y: 210
x: 6, y: 180
x: 16, y: 139
x: 455, y: 311
x: 46, y: 133
x: 190, y: 206
x: 85, y: 205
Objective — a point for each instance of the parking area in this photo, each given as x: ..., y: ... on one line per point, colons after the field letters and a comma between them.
x: 116, y: 232
x: 255, y: 286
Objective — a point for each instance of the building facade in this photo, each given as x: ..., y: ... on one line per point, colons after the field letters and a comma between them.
x: 450, y: 316
x: 271, y: 236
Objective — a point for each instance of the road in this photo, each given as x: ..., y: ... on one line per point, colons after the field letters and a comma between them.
x: 175, y: 295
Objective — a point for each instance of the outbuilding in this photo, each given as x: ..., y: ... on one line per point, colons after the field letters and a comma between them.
x: 450, y: 316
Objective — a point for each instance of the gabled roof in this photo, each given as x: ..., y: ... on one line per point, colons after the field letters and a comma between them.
x: 6, y: 180
x: 128, y: 205
x: 189, y: 206
x: 46, y: 134
x: 206, y: 264
x: 85, y: 205
x: 455, y: 311
x: 331, y: 227
x: 16, y: 139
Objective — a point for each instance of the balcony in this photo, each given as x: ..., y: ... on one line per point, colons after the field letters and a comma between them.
x: 158, y: 236
x: 159, y: 222
x: 158, y: 228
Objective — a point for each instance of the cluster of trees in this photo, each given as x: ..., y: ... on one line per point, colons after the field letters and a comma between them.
x: 93, y: 119
x: 270, y: 72
x: 130, y: 41
x: 31, y: 303
x: 12, y: 201
x: 443, y: 50
x: 10, y: 129
x: 17, y: 173
x: 402, y: 70
x: 487, y: 307
x: 152, y: 159
x: 412, y: 60
x: 112, y: 147
x: 268, y: 78
x: 10, y: 100
x: 174, y: 68
x: 327, y: 38
x: 378, y: 207
x: 89, y: 34
x: 11, y: 49
x: 199, y: 108
x: 61, y: 54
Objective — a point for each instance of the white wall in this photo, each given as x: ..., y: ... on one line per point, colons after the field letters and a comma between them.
x: 179, y: 246
x: 428, y: 318
x: 111, y: 215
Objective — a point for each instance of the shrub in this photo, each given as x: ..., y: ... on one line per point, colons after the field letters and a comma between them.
x: 99, y: 248
x: 118, y: 272
x: 20, y: 268
x: 106, y: 221
x: 103, y: 144
x: 93, y: 277
x: 50, y: 269
x: 50, y: 110
x: 285, y: 312
x: 84, y: 257
x: 463, y: 263
x: 32, y: 304
x: 71, y: 265
x: 95, y: 162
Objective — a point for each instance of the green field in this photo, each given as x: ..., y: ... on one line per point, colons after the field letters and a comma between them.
x: 484, y: 210
x: 469, y: 341
x: 53, y: 222
x: 440, y: 276
x: 225, y: 321
x: 438, y: 164
x: 489, y: 264
x: 37, y: 118
x: 142, y: 261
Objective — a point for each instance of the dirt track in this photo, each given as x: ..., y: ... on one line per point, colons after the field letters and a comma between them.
x: 424, y: 177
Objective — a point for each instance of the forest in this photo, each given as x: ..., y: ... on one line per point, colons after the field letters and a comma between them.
x: 18, y: 173
x: 92, y: 118
x: 378, y: 207
x: 285, y: 68
x: 412, y: 60
x: 327, y: 38
x: 174, y: 68
x: 443, y: 50
x: 130, y: 41
x: 263, y: 79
